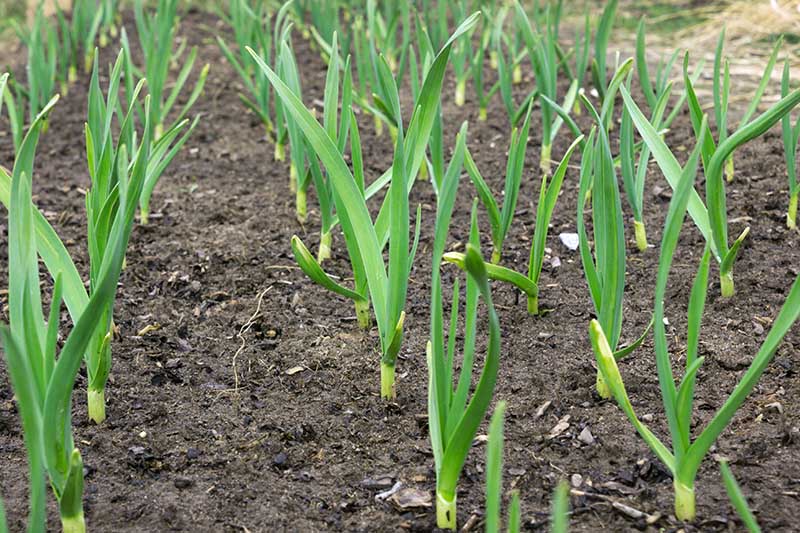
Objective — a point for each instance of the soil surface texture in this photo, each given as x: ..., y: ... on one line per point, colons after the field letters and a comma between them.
x: 251, y: 404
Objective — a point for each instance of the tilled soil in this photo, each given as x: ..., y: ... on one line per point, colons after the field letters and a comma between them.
x: 253, y: 405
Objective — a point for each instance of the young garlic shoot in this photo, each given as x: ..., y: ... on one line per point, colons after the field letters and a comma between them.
x: 581, y: 50
x: 686, y: 454
x: 299, y: 173
x: 791, y: 134
x: 108, y: 168
x: 156, y: 32
x: 282, y: 26
x: 548, y: 196
x: 559, y: 513
x: 156, y: 37
x: 428, y: 125
x: 737, y: 498
x: 339, y: 132
x: 324, y: 23
x: 721, y: 93
x: 453, y: 417
x: 655, y: 86
x: 541, y: 47
x: 657, y: 91
x: 462, y: 54
x: 365, y: 240
x: 365, y: 56
x: 14, y: 99
x: 79, y: 31
x: 251, y: 25
x: 477, y: 64
x: 41, y: 69
x: 434, y: 166
x: 634, y: 172
x: 508, y: 65
x: 109, y: 19
x: 605, y: 269
x: 379, y: 40
x: 599, y: 61
x: 494, y: 478
x: 501, y: 217
x: 711, y: 216
x: 43, y: 383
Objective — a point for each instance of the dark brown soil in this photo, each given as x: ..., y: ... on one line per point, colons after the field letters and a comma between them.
x: 207, y: 431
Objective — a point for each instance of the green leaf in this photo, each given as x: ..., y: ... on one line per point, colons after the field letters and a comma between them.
x: 607, y: 364
x: 559, y: 516
x: 671, y: 169
x: 456, y: 449
x: 309, y: 265
x: 494, y: 470
x: 497, y: 273
x: 737, y: 498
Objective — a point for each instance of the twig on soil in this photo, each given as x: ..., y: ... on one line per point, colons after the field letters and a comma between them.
x: 625, y: 509
x: 242, y: 342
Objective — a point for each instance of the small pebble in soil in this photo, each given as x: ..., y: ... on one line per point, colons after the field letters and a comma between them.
x: 586, y: 436
x: 570, y: 240
x: 192, y: 453
x: 280, y: 459
x: 183, y: 483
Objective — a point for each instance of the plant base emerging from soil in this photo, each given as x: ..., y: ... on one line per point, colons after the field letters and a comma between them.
x: 684, y: 501
x: 688, y: 446
x: 96, y: 405
x: 445, y: 512
x: 641, y: 235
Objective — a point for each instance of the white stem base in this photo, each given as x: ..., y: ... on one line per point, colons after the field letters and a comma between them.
x: 387, y: 382
x: 602, y: 387
x: 684, y: 501
x: 641, y: 235
x: 96, y: 404
x: 726, y: 284
x: 73, y: 524
x: 445, y: 512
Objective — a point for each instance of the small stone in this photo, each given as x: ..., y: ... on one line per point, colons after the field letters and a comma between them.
x: 570, y: 240
x: 192, y: 453
x: 586, y: 436
x: 143, y: 435
x: 576, y: 480
x: 560, y: 428
x: 648, y: 417
x: 379, y: 482
x: 280, y: 459
x: 173, y: 363
x: 555, y: 262
x: 183, y: 483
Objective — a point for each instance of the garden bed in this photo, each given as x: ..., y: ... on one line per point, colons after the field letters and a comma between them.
x: 251, y: 404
